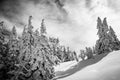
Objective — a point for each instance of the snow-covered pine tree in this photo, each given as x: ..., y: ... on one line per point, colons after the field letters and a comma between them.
x: 62, y: 55
x: 105, y: 26
x: 13, y: 52
x: 75, y: 56
x: 67, y: 55
x: 108, y: 40
x: 43, y: 60
x: 102, y: 44
x: 27, y: 40
x: 46, y: 56
x: 13, y: 45
x: 5, y: 61
x: 24, y: 71
x: 82, y: 54
x: 99, y: 27
x: 43, y: 28
x: 115, y: 43
x: 3, y: 54
x: 59, y: 54
x: 89, y: 53
x: 60, y: 51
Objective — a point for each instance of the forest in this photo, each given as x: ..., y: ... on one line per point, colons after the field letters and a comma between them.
x: 32, y: 55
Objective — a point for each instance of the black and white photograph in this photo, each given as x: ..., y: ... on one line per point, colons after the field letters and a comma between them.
x: 59, y: 39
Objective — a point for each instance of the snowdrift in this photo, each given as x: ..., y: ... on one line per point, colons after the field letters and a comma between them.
x: 107, y: 68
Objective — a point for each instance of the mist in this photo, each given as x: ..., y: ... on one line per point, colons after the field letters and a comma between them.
x: 72, y: 21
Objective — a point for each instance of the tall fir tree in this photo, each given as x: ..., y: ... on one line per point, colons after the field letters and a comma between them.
x: 75, y: 56
x: 5, y: 62
x: 89, y: 53
x: 115, y: 43
x: 102, y: 44
x: 24, y: 71
x: 43, y: 28
x: 107, y: 41
x: 13, y: 52
x: 82, y: 54
x: 99, y: 25
x: 113, y: 35
x: 105, y: 25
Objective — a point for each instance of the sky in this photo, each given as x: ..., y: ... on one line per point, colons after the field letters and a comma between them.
x: 72, y: 21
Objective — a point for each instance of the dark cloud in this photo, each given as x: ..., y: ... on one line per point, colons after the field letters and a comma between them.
x: 10, y: 8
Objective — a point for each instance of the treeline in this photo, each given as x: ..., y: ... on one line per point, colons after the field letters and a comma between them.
x: 106, y: 43
x: 63, y: 53
x: 32, y: 55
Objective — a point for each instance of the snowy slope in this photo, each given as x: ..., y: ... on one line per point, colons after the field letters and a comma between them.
x: 65, y: 66
x: 106, y: 69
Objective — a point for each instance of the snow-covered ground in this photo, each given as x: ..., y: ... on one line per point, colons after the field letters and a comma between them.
x: 106, y: 69
x: 65, y: 66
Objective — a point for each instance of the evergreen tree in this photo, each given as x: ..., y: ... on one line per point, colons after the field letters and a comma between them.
x: 59, y: 53
x: 99, y: 25
x: 25, y: 45
x: 14, y: 33
x: 113, y: 35
x: 102, y: 44
x: 105, y: 26
x: 30, y: 27
x: 115, y: 43
x: 82, y: 54
x: 43, y: 28
x: 75, y: 56
x: 67, y: 55
x: 5, y: 60
x: 24, y: 30
x: 64, y: 52
x: 89, y: 53
x: 107, y: 41
x: 13, y: 52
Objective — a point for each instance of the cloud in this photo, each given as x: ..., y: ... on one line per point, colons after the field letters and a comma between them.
x: 10, y: 9
x: 73, y: 21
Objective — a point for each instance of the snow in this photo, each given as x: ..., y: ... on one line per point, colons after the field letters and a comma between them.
x: 65, y: 66
x: 107, y: 68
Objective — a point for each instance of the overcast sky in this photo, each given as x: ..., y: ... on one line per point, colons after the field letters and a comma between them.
x: 73, y: 21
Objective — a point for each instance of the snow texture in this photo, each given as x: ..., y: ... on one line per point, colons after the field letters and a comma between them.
x: 107, y: 68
